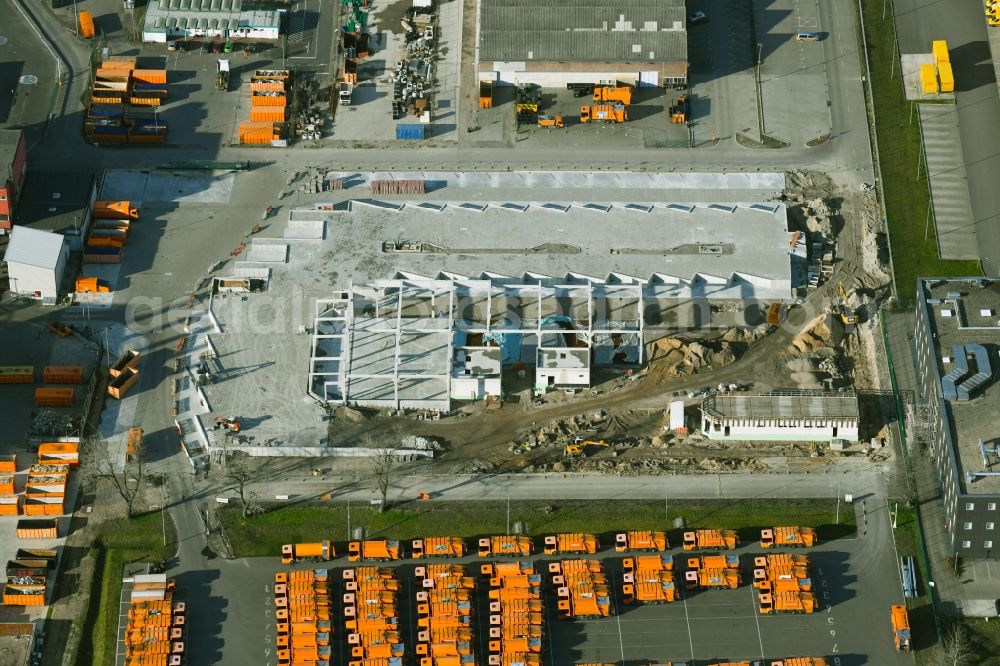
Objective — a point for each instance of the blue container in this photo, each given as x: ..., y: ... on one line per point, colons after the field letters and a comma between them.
x: 410, y: 131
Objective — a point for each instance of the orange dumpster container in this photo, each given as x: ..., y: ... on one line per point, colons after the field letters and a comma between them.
x: 55, y: 397
x: 62, y: 374
x: 87, y: 25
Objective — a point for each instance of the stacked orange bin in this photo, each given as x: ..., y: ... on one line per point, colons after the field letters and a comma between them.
x: 517, y: 612
x: 154, y: 635
x: 649, y: 579
x: 59, y: 453
x: 10, y: 503
x: 27, y: 579
x: 115, y: 84
x: 444, y: 616
x: 109, y: 232
x: 302, y: 611
x: 582, y: 589
x: 783, y: 584
x: 45, y: 489
x: 268, y: 108
x: 17, y: 374
x: 371, y: 617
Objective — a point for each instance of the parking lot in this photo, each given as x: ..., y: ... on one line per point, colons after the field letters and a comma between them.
x: 855, y: 579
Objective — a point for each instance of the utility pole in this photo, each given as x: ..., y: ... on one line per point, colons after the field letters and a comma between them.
x: 666, y: 509
x: 508, y: 514
x: 348, y: 519
x: 838, y: 503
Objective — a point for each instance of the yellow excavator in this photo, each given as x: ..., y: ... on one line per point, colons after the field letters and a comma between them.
x: 847, y: 315
x: 583, y: 447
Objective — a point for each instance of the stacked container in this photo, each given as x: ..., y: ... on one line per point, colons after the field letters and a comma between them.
x: 517, y: 612
x: 10, y: 502
x: 45, y: 490
x: 371, y: 619
x: 27, y: 577
x: 109, y: 231
x: 123, y: 374
x: 154, y: 635
x: 17, y: 374
x: 118, y: 83
x: 582, y: 589
x: 942, y: 61
x: 302, y: 611
x: 444, y: 616
x: 268, y: 108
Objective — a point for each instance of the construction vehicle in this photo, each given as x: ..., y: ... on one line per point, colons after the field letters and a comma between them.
x: 641, y: 540
x: 582, y: 589
x: 582, y: 447
x: 438, y: 547
x: 787, y: 602
x: 606, y: 113
x: 232, y: 423
x: 711, y: 539
x: 680, y: 112
x: 900, y: 627
x: 715, y: 571
x: 648, y: 579
x: 512, y: 546
x: 551, y: 121
x: 561, y: 544
x: 605, y: 94
x: 314, y: 552
x: 846, y: 314
x: 381, y: 549
x: 800, y: 537
x: 222, y: 74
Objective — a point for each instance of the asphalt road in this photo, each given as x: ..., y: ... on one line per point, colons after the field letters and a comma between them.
x: 963, y: 25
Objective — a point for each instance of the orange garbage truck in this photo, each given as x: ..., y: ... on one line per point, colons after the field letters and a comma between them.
x: 558, y: 544
x: 381, y: 549
x: 438, y: 547
x: 648, y: 579
x: 711, y: 539
x: 604, y: 113
x: 790, y: 537
x: 788, y: 602
x: 582, y: 589
x: 318, y: 551
x: 641, y: 540
x: 719, y: 572
x: 799, y: 661
x: 900, y: 627
x: 512, y: 546
x: 605, y: 94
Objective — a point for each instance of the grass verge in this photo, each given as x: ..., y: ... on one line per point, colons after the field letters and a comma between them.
x: 117, y: 543
x: 906, y: 198
x: 263, y: 536
x: 920, y: 610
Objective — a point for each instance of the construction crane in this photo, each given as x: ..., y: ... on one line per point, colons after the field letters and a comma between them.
x: 847, y: 315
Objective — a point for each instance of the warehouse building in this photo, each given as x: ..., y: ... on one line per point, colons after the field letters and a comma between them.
x: 797, y: 416
x: 60, y: 201
x: 36, y: 262
x: 554, y: 42
x: 208, y: 19
x: 13, y: 167
x: 957, y: 342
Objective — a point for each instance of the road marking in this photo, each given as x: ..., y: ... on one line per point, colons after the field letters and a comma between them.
x: 687, y: 618
x: 760, y: 638
x: 618, y: 617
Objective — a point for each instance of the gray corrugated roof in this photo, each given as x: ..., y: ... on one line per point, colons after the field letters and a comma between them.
x: 525, y: 45
x: 583, y: 30
x: 646, y: 19
x: 792, y: 405
x: 34, y: 248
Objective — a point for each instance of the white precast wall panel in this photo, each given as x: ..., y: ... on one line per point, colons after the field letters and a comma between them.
x: 558, y: 79
x: 26, y: 279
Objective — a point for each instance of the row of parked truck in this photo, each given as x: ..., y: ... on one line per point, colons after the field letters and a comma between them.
x: 555, y: 544
x: 302, y: 610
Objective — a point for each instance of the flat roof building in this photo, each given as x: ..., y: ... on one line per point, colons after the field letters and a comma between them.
x: 957, y: 342
x: 554, y: 42
x: 60, y: 201
x: 800, y: 416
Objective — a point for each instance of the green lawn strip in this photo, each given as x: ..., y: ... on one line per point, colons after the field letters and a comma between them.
x: 919, y: 608
x: 118, y: 543
x: 263, y: 536
x: 906, y: 198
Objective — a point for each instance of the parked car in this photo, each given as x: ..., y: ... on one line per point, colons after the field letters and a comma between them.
x: 206, y: 47
x: 806, y: 36
x: 697, y: 17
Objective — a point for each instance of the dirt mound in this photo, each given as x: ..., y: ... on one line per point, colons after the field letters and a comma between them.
x: 672, y: 357
x: 823, y: 331
x: 745, y: 334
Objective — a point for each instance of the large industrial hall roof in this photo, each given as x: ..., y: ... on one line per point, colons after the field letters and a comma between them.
x: 800, y: 405
x: 582, y: 30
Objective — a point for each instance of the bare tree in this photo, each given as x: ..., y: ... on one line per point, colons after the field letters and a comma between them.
x: 238, y: 471
x: 127, y: 477
x: 956, y: 648
x: 384, y: 460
